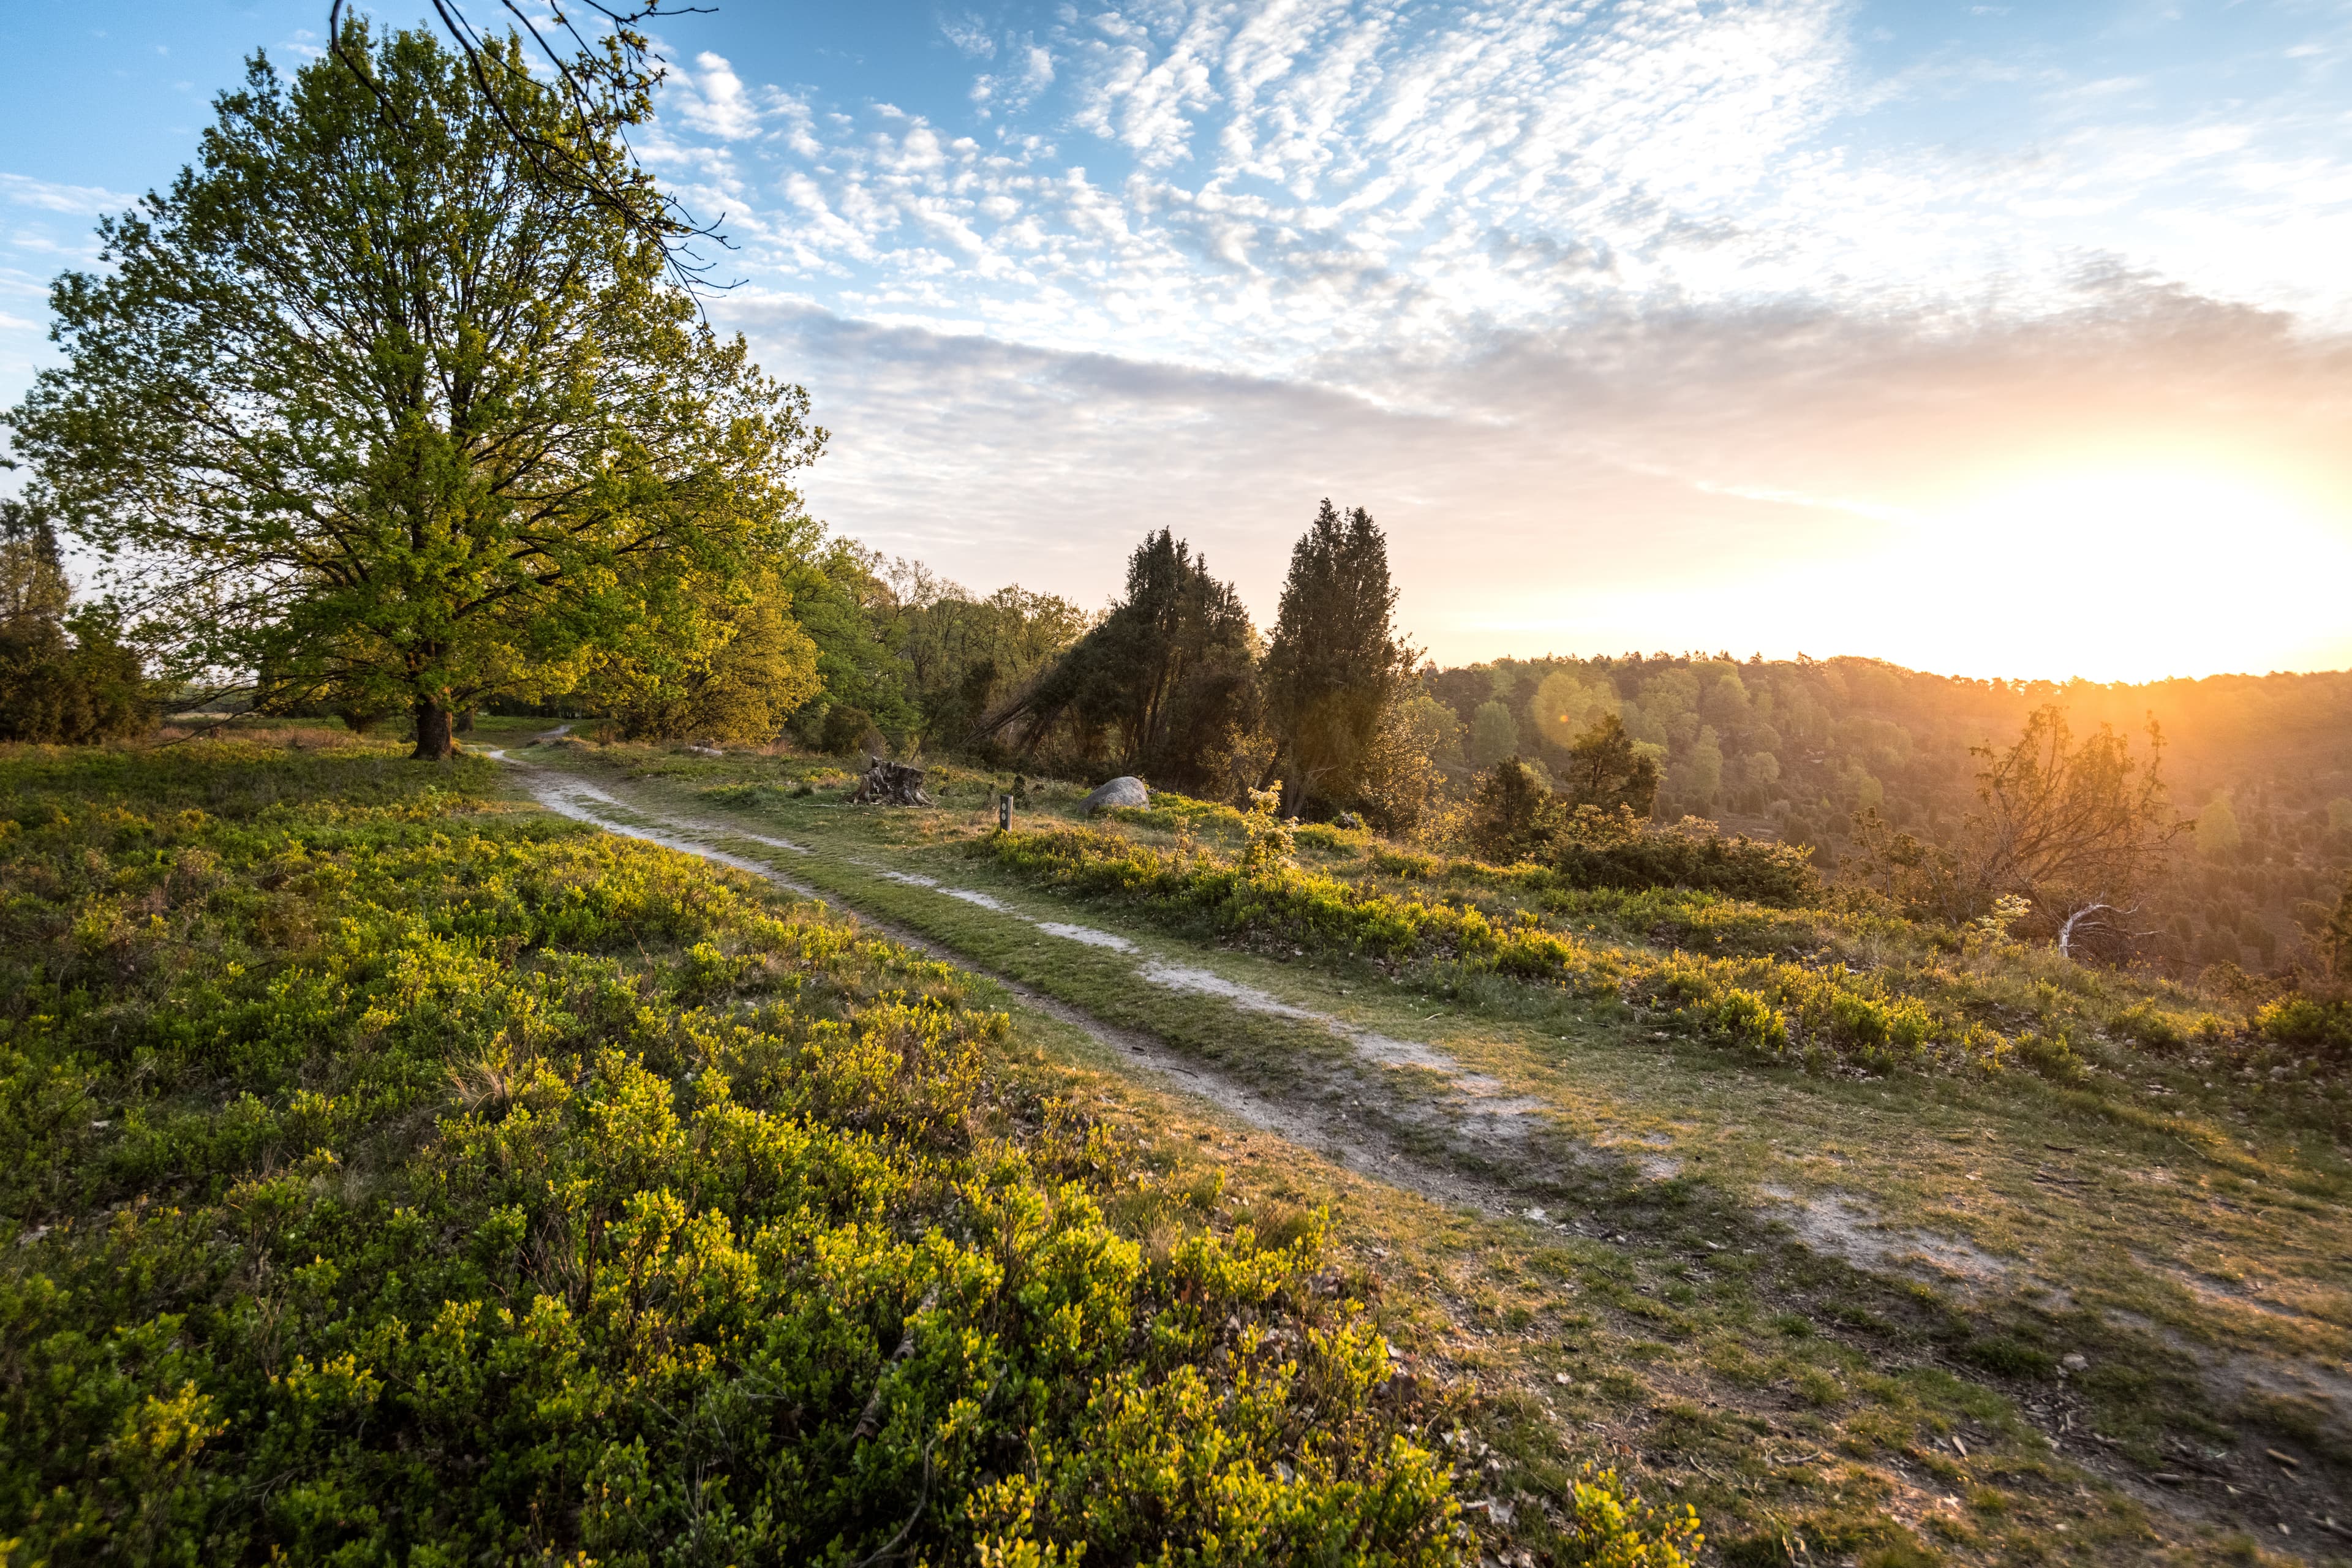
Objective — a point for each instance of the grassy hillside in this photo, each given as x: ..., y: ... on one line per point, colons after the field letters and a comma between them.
x: 397, y: 1174
x: 2052, y: 1280
x: 409, y: 1171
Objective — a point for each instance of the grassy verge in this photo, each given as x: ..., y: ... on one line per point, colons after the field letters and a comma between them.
x: 399, y: 1176
x: 2196, y: 1260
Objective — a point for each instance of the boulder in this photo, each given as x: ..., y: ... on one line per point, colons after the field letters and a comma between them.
x: 1124, y: 790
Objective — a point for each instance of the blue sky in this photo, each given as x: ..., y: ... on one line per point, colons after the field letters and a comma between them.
x: 1782, y: 324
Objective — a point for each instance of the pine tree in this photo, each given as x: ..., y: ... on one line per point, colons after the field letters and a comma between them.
x: 1164, y: 685
x: 1605, y: 769
x: 63, y: 677
x: 1335, y: 663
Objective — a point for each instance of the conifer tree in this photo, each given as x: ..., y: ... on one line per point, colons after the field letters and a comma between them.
x: 1166, y: 679
x: 1605, y: 769
x: 63, y: 677
x: 1335, y: 663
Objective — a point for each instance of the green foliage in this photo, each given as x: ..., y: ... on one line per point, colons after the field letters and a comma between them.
x: 1618, y: 850
x: 1805, y: 744
x: 1262, y: 892
x: 2334, y: 938
x: 1270, y: 844
x: 1567, y: 704
x: 847, y: 729
x: 755, y: 669
x: 2218, y: 833
x: 1334, y: 664
x: 374, y: 403
x: 400, y: 1176
x: 63, y: 677
x: 1610, y: 1527
x: 1165, y: 685
x: 966, y: 656
x: 1493, y: 734
x: 919, y: 655
x: 1512, y: 817
x: 1401, y: 789
x: 2051, y: 1054
x: 2309, y: 1022
x: 1606, y: 770
x: 1766, y: 1005
x: 1515, y: 819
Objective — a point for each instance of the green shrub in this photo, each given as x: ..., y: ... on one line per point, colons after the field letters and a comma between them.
x: 1514, y: 819
x: 71, y: 689
x: 2308, y: 1022
x: 846, y: 729
x: 2052, y: 1055
x: 403, y: 1176
x: 1749, y: 1020
x: 1764, y: 1003
x: 2143, y: 1025
x: 1597, y: 851
x: 2009, y: 1357
x: 1611, y: 1527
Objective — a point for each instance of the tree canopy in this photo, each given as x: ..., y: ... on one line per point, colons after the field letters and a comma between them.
x: 1164, y: 685
x: 65, y: 674
x: 1334, y: 664
x: 1607, y: 770
x: 369, y: 401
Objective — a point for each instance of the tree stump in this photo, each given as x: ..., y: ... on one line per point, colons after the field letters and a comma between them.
x: 889, y: 784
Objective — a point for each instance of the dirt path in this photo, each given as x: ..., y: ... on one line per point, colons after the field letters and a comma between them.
x: 1310, y: 1124
x: 1497, y: 1155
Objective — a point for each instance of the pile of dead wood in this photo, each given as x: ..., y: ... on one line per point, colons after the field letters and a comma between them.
x: 889, y: 784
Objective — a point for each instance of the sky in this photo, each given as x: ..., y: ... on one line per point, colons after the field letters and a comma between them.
x: 1993, y: 339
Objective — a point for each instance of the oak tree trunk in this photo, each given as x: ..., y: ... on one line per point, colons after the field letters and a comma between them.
x: 434, y: 741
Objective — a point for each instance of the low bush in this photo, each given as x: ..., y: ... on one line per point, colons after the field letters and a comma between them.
x: 1610, y: 1527
x: 1515, y: 819
x: 2309, y: 1022
x: 1619, y: 852
x: 396, y: 1176
x: 1771, y: 1005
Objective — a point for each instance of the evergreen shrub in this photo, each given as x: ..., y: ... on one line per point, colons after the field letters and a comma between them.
x: 396, y: 1175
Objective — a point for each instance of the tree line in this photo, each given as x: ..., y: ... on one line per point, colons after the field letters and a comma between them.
x: 385, y: 410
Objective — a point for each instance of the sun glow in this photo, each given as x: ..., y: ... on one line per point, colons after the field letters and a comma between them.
x: 2115, y: 576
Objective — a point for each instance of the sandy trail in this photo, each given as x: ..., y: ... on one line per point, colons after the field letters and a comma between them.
x: 1473, y: 1114
x: 1312, y: 1125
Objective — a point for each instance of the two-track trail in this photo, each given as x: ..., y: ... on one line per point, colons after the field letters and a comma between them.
x: 1512, y: 1171
x: 1308, y: 1121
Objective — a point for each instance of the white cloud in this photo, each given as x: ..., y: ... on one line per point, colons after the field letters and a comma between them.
x: 970, y: 35
x: 712, y: 99
x: 1638, y: 480
x: 85, y: 201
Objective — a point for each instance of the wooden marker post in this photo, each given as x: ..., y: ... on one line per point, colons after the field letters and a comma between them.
x: 1004, y: 814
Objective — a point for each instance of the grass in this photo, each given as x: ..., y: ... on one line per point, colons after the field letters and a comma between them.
x: 2190, y: 1244
x: 400, y: 1175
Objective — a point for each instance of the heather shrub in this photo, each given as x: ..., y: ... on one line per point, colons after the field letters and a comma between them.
x: 2309, y: 1022
x: 1611, y: 1527
x: 402, y: 1176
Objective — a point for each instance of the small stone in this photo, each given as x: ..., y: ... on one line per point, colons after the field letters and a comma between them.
x: 2077, y: 1363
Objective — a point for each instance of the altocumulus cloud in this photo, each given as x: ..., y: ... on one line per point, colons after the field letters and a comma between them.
x: 1636, y: 320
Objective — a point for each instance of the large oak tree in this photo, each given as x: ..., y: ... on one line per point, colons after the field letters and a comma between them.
x: 370, y: 405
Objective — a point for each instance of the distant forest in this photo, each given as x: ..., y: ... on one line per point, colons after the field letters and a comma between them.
x: 544, y: 541
x: 1792, y: 749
